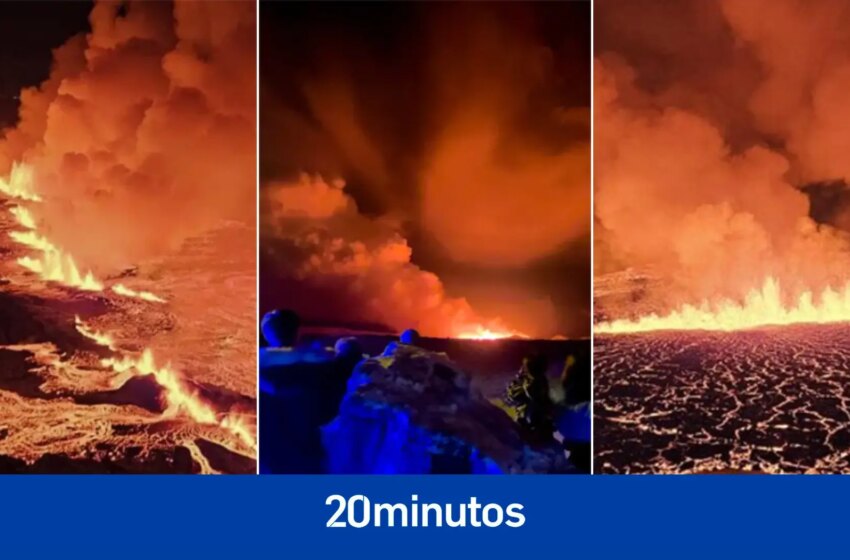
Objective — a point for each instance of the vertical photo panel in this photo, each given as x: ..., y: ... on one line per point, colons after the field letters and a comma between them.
x: 721, y: 237
x: 425, y: 237
x: 128, y: 237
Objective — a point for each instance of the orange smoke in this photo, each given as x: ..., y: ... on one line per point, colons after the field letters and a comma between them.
x: 477, y: 161
x: 804, y: 55
x: 144, y: 133
x: 332, y: 244
x: 492, y: 191
x: 704, y: 190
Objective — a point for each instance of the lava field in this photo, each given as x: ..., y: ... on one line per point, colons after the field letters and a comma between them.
x: 79, y: 390
x: 774, y: 400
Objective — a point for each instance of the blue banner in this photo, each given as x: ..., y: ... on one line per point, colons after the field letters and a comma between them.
x: 283, y: 517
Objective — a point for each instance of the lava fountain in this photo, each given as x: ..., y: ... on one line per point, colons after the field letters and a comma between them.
x: 20, y: 183
x: 761, y: 307
x: 52, y: 263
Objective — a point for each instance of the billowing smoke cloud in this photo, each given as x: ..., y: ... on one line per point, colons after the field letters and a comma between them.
x: 709, y: 194
x: 463, y: 145
x: 805, y: 58
x: 144, y: 132
x: 331, y: 246
x: 487, y: 154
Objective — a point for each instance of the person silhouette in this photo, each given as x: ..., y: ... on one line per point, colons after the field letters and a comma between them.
x: 291, y: 398
x: 528, y: 393
x: 409, y: 336
x: 280, y: 328
x: 347, y: 354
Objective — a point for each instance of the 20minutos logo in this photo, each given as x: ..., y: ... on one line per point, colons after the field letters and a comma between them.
x: 358, y: 511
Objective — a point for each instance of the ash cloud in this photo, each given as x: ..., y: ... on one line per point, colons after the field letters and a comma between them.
x: 716, y: 143
x: 144, y: 132
x: 460, y: 134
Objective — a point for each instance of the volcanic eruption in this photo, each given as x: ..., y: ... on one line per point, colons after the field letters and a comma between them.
x: 444, y: 189
x: 425, y: 173
x: 712, y: 171
x: 128, y: 267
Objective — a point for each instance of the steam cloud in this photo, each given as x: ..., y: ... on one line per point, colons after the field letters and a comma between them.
x: 703, y: 153
x: 144, y: 132
x: 337, y: 248
x: 463, y: 142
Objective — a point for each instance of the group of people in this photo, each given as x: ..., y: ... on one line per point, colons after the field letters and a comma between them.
x: 302, y: 387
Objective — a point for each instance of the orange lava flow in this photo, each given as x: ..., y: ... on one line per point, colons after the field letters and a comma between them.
x: 179, y: 398
x: 480, y: 332
x: 761, y: 307
x: 102, y: 339
x: 122, y: 290
x: 23, y: 216
x: 52, y: 264
x: 20, y: 183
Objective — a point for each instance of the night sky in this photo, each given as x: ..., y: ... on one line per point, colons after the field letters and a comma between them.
x: 28, y: 33
x: 383, y: 49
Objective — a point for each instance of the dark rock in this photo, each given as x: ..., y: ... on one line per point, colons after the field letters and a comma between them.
x: 415, y: 411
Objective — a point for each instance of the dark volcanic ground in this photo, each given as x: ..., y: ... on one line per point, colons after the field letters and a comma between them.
x: 770, y: 400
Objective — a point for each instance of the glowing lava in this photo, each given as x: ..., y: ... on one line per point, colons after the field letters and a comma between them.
x: 761, y: 307
x: 23, y: 216
x: 178, y: 396
x: 53, y: 264
x: 102, y: 339
x: 58, y: 267
x: 480, y: 332
x: 121, y: 289
x: 20, y: 183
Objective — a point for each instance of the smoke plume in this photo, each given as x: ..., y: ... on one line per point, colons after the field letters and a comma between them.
x: 144, y: 133
x: 706, y: 158
x: 455, y: 140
